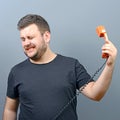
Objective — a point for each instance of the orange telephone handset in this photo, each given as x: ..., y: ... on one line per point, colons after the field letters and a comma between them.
x: 101, y: 32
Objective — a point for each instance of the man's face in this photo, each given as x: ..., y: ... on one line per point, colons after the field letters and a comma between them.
x: 33, y: 42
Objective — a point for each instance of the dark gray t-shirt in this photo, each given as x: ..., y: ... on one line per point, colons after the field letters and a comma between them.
x: 44, y: 89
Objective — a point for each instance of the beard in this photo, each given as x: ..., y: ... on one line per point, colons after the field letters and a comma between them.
x: 39, y: 52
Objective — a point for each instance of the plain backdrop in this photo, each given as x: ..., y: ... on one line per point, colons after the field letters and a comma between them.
x: 73, y: 24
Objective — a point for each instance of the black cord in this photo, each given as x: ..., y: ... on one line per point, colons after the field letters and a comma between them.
x: 77, y: 93
x: 97, y: 71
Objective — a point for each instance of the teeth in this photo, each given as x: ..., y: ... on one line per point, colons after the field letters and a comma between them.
x: 28, y: 48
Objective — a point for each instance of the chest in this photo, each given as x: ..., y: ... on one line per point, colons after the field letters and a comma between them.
x: 42, y: 83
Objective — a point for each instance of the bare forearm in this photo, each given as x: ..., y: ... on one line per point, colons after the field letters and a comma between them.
x: 10, y: 109
x: 96, y: 90
x: 100, y: 87
x: 9, y: 115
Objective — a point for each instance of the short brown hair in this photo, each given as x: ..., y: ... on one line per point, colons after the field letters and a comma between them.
x: 33, y: 19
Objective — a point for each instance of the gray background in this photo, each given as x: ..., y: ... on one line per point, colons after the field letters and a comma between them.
x: 73, y: 24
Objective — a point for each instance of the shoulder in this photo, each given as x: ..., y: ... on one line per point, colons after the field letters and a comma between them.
x: 68, y: 60
x: 20, y: 65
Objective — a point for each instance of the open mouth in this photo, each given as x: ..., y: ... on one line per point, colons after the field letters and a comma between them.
x: 30, y: 47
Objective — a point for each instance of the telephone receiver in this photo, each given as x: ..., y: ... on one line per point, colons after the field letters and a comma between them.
x: 101, y: 32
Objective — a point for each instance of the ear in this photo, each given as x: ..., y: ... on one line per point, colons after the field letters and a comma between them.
x: 47, y: 36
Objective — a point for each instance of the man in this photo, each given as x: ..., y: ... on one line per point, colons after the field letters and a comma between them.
x: 45, y: 83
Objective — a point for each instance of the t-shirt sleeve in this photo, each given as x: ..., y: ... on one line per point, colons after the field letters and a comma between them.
x: 11, y: 87
x: 82, y: 76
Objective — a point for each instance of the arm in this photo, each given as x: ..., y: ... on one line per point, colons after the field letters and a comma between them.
x: 96, y: 90
x: 10, y: 109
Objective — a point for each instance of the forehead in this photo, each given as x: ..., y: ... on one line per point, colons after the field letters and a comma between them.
x: 31, y: 29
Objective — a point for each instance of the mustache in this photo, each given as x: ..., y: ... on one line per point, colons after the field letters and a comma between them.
x: 27, y: 47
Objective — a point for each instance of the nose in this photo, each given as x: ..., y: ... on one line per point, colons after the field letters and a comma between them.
x: 26, y: 42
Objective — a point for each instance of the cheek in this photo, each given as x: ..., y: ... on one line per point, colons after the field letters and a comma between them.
x: 39, y: 43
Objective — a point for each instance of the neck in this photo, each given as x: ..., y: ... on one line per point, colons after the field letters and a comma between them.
x: 47, y: 57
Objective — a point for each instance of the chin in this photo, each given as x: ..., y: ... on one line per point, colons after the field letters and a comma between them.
x: 34, y: 57
x: 30, y: 55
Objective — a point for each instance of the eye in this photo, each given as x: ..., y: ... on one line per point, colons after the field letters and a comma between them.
x: 22, y: 38
x: 30, y: 37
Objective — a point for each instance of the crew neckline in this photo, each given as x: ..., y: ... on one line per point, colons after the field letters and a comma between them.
x: 57, y: 55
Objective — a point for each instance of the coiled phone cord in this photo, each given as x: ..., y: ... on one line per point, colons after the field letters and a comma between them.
x: 77, y: 93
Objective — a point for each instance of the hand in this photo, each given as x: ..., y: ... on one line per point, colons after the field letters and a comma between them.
x: 111, y: 50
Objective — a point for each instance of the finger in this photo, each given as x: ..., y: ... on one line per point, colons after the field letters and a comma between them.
x: 106, y: 38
